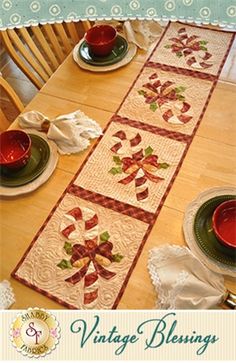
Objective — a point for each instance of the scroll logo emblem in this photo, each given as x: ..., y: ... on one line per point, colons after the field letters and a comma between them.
x: 35, y: 332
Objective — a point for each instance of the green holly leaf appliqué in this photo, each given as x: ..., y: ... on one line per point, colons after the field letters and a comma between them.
x: 117, y: 160
x: 153, y: 106
x: 64, y: 264
x: 68, y: 248
x: 104, y: 237
x: 148, y: 151
x: 142, y: 92
x: 115, y: 171
x: 180, y: 89
x: 179, y: 54
x: 117, y: 257
x: 180, y: 97
x: 163, y: 166
x: 203, y: 42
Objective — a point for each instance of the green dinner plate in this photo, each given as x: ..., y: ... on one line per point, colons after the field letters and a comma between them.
x: 119, y: 51
x: 205, y: 236
x: 40, y: 153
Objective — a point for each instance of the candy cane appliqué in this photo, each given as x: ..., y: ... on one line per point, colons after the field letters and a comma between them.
x: 91, y: 256
x: 168, y: 98
x: 192, y: 48
x: 139, y: 166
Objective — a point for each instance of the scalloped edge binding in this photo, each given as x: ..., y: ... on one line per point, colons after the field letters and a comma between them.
x: 197, y: 21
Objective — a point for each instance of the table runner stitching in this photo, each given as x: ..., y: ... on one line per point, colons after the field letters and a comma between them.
x: 153, y: 129
x: 179, y: 70
x: 188, y: 142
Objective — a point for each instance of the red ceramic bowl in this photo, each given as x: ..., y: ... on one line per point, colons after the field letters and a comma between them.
x: 101, y: 39
x: 224, y: 223
x: 15, y: 149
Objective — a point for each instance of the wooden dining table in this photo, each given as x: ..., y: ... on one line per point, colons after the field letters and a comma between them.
x: 210, y: 162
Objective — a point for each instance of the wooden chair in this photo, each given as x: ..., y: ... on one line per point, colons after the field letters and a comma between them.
x: 39, y: 50
x: 11, y: 94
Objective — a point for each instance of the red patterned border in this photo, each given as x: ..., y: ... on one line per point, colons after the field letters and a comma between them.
x: 113, y: 204
x: 183, y: 71
x: 153, y: 129
x: 87, y: 195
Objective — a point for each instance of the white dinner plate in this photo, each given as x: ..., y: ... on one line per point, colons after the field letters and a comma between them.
x: 36, y: 183
x: 132, y: 49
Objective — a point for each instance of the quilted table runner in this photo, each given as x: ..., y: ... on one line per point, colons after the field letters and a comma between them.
x: 85, y: 252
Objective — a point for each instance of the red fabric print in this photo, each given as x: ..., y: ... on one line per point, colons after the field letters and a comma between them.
x: 140, y: 166
x: 168, y: 98
x: 192, y: 48
x: 90, y: 258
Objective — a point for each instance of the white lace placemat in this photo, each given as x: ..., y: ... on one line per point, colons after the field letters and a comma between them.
x: 182, y: 281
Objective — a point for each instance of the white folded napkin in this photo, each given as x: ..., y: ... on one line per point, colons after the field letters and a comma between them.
x: 70, y: 132
x: 182, y: 281
x: 7, y: 297
x: 140, y: 32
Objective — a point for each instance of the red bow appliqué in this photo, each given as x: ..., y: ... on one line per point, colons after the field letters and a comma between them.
x: 131, y: 166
